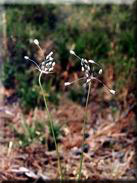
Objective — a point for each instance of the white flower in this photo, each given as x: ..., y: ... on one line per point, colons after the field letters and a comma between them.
x: 47, y: 65
x: 53, y: 64
x: 51, y: 69
x: 88, y: 73
x: 88, y: 80
x: 67, y: 83
x: 36, y: 41
x: 112, y: 92
x: 72, y: 52
x: 26, y: 57
x: 91, y: 61
x: 100, y: 71
x: 49, y: 55
x: 82, y: 68
x: 50, y: 58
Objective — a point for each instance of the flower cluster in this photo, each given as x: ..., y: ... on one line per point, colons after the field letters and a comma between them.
x: 47, y: 65
x: 88, y: 73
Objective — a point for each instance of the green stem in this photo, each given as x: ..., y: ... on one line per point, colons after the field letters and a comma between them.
x: 52, y: 129
x: 84, y: 130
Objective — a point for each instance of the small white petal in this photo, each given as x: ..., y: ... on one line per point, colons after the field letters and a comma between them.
x: 49, y: 55
x: 53, y: 64
x: 88, y: 68
x: 67, y: 83
x: 88, y: 80
x: 48, y: 64
x: 51, y: 69
x: 85, y: 61
x: 26, y: 57
x: 36, y: 41
x: 87, y: 75
x: 91, y: 61
x: 82, y: 68
x: 100, y: 71
x: 72, y: 52
x: 112, y: 92
x: 43, y: 62
x: 46, y: 69
x: 51, y: 58
x: 42, y: 67
x: 82, y: 60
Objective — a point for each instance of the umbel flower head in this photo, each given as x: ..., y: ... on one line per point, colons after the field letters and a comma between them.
x: 47, y: 65
x: 85, y: 65
x: 88, y: 73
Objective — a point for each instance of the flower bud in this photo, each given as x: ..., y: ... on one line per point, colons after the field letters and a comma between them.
x: 49, y: 55
x: 112, y: 92
x: 72, y: 52
x: 82, y: 68
x: 91, y: 61
x: 67, y: 83
x: 53, y: 64
x: 26, y: 57
x: 100, y: 71
x: 36, y: 41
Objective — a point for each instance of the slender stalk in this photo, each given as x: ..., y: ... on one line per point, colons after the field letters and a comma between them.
x: 84, y: 130
x: 52, y: 129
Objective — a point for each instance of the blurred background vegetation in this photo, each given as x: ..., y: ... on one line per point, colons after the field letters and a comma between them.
x: 104, y: 33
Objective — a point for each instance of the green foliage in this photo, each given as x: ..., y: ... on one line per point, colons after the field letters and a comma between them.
x: 76, y: 95
x: 127, y: 43
x: 30, y: 133
x: 104, y: 33
x: 8, y: 75
x: 32, y: 22
x: 56, y: 129
x: 27, y: 93
x: 54, y: 98
x: 97, y: 40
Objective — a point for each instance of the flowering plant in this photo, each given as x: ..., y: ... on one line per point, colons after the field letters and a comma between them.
x: 45, y: 68
x: 88, y: 72
x: 88, y: 77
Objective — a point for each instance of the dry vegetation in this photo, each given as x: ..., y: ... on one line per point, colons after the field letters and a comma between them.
x: 108, y: 152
